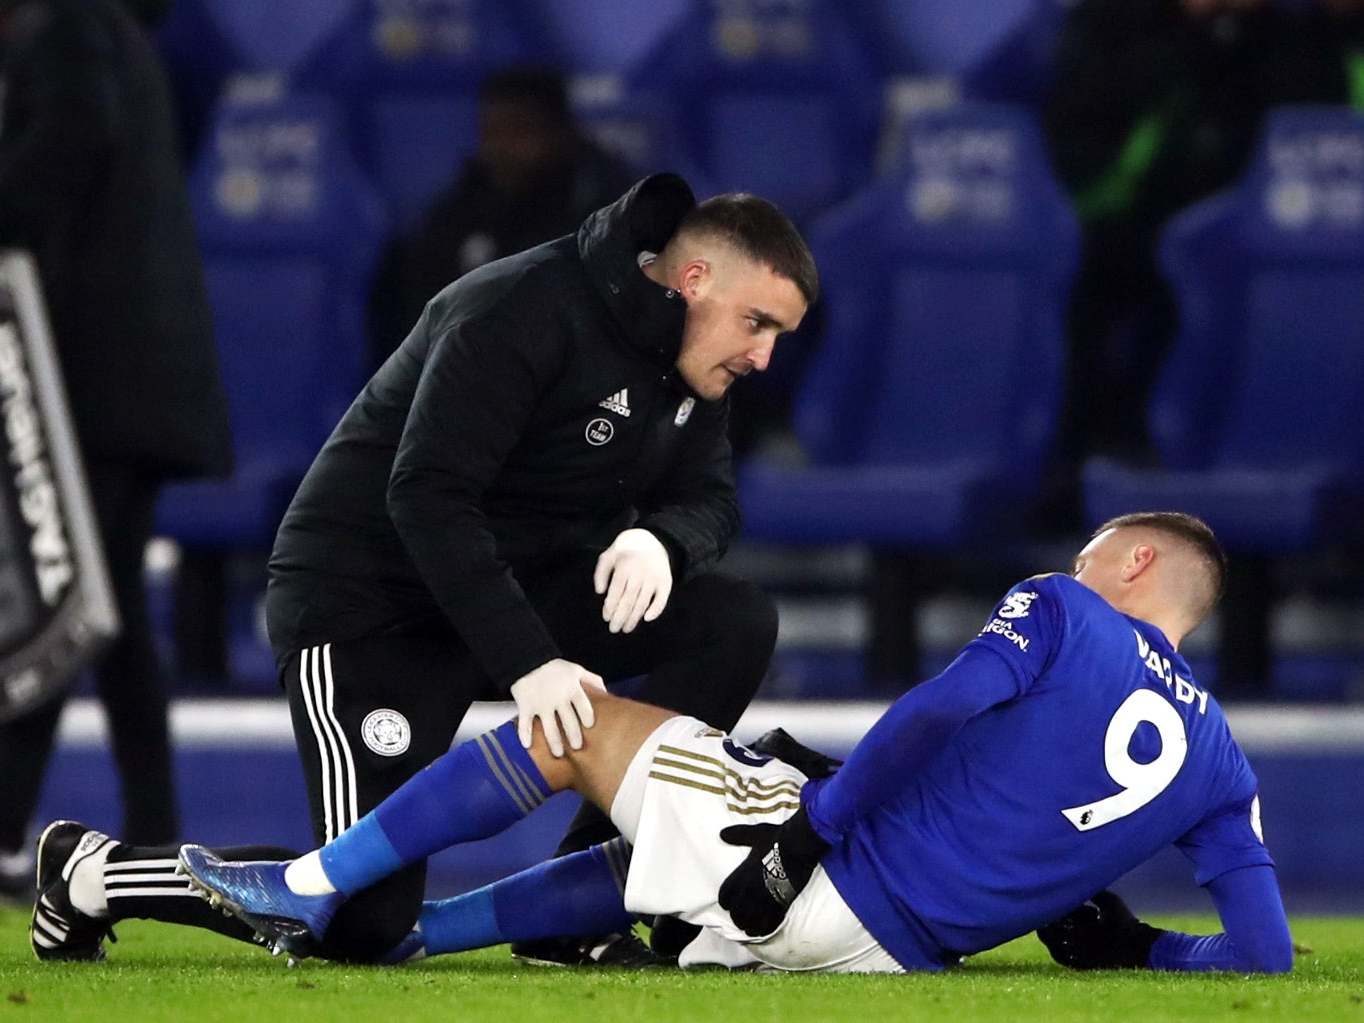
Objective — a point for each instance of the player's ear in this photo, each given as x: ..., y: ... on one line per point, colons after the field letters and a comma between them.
x: 1138, y: 560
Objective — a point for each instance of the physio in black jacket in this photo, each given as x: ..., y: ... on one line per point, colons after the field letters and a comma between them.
x: 528, y: 498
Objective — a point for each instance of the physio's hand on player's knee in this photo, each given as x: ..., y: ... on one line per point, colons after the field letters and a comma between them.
x: 553, y: 693
x: 636, y: 575
x: 778, y: 867
x: 1102, y: 934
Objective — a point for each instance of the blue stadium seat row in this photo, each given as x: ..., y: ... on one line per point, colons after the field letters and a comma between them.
x: 780, y: 97
x: 932, y: 401
x: 385, y: 91
x: 593, y: 36
x: 1256, y: 413
x: 290, y: 230
x: 929, y: 411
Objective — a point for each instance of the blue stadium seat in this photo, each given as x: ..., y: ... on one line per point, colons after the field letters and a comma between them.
x: 267, y: 35
x: 1256, y: 414
x: 775, y: 97
x: 929, y: 410
x: 1017, y: 66
x: 409, y: 73
x: 636, y: 128
x: 605, y: 36
x: 934, y: 56
x: 934, y: 37
x: 289, y: 230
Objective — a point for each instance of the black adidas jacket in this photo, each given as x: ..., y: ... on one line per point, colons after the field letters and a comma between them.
x: 495, y: 443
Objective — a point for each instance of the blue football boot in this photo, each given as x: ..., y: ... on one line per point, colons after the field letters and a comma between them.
x: 255, y: 893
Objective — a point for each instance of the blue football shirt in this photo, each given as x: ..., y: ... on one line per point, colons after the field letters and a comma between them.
x: 1109, y: 752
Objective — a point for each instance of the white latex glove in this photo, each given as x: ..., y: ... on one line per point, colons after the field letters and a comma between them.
x: 637, y: 578
x: 555, y: 690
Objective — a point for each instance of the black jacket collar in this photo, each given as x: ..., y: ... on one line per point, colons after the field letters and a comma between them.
x: 610, y: 241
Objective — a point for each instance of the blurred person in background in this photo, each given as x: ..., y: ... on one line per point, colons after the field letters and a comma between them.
x: 534, y: 176
x: 91, y: 184
x: 1155, y: 105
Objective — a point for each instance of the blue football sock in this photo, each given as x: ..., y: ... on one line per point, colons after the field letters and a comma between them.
x: 476, y: 790
x: 578, y: 895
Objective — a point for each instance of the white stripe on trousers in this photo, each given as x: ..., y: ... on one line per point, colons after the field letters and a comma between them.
x: 162, y: 863
x: 156, y: 891
x: 324, y: 762
x: 340, y: 802
x: 142, y: 877
x: 352, y: 796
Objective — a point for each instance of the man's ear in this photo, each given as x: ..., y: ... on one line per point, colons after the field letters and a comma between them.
x: 1141, y: 557
x: 696, y: 277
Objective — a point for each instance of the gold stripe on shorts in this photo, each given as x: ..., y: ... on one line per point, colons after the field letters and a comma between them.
x: 689, y: 784
x: 730, y: 803
x: 740, y: 793
x: 764, y: 788
x: 725, y: 771
x: 678, y: 751
x: 731, y: 785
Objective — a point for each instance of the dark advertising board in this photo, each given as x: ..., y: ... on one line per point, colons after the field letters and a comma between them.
x: 57, y: 610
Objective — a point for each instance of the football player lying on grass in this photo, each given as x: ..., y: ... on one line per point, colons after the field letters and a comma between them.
x: 1067, y: 744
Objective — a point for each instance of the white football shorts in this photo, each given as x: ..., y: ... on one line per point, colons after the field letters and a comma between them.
x: 687, y: 783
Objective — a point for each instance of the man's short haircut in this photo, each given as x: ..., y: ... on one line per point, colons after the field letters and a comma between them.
x: 1194, y: 532
x: 760, y: 231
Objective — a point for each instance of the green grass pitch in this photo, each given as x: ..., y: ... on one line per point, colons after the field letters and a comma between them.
x: 157, y: 972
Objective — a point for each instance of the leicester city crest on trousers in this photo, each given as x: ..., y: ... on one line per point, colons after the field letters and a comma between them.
x: 386, y: 732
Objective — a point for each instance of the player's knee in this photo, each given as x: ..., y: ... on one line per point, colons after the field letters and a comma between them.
x: 618, y: 723
x: 608, y: 713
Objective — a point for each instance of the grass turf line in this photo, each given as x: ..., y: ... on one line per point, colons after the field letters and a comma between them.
x: 158, y: 972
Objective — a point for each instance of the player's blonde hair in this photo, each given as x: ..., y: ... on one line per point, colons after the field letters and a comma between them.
x: 1194, y: 534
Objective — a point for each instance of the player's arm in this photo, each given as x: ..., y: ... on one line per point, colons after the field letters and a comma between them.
x: 1001, y: 663
x: 1010, y: 653
x: 1103, y: 934
x: 1255, y: 937
x: 915, y: 729
x: 910, y: 735
x: 993, y: 669
x: 1231, y: 861
x: 1229, y: 858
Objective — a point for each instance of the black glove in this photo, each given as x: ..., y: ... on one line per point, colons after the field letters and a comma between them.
x: 811, y: 763
x: 1102, y: 934
x: 761, y: 888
